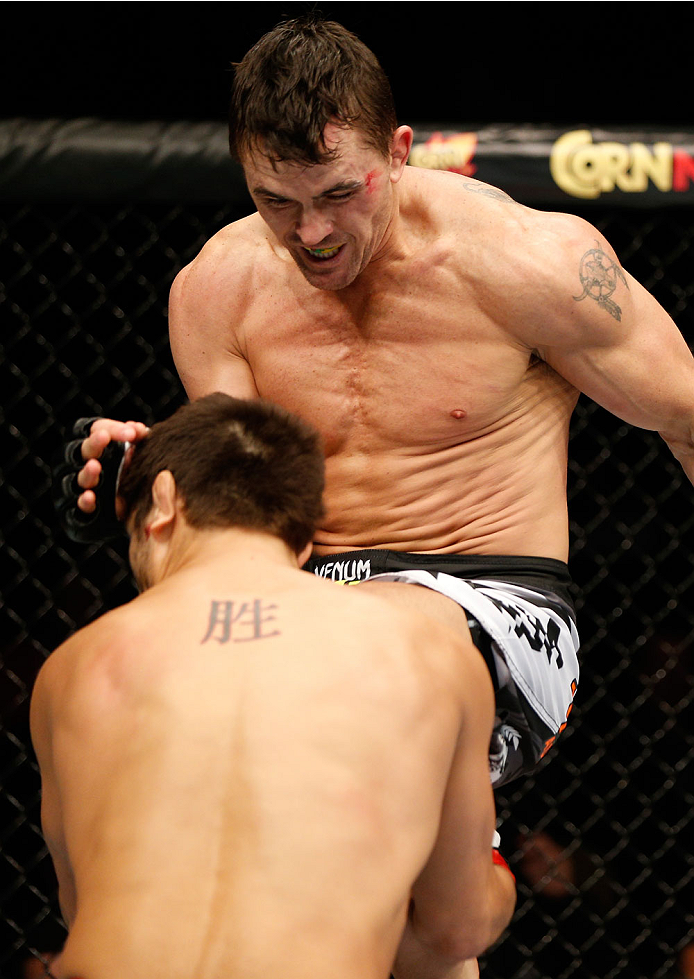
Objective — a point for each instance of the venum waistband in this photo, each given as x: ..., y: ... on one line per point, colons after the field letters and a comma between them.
x: 547, y: 574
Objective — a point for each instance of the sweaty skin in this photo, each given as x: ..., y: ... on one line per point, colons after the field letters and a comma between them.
x: 440, y: 352
x: 237, y: 791
x: 438, y: 335
x: 444, y: 375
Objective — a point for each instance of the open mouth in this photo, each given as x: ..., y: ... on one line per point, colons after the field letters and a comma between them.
x: 323, y: 254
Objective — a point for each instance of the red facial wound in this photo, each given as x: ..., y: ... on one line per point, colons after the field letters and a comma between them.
x: 370, y: 181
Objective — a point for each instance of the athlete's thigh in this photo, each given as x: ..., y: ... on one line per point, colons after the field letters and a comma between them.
x: 422, y: 599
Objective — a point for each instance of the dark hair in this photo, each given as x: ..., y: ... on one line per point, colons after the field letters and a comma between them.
x: 236, y: 464
x: 305, y: 73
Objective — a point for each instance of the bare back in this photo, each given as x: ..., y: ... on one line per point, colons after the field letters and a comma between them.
x: 443, y: 431
x: 225, y: 763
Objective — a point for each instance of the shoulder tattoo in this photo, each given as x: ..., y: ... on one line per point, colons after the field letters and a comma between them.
x: 599, y: 277
x: 486, y: 191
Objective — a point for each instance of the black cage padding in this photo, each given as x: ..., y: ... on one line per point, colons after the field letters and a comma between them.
x: 95, y: 221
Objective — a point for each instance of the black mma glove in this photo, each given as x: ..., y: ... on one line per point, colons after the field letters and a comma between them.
x: 102, y: 524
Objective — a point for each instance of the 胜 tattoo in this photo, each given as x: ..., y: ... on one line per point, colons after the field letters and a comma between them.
x: 599, y: 277
x: 240, y: 621
x: 486, y: 191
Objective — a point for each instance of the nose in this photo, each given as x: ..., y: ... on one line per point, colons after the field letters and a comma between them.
x: 313, y: 227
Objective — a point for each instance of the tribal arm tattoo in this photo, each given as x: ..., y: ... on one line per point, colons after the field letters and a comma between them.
x: 600, y: 277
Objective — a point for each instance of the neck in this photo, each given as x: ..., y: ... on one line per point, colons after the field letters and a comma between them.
x: 392, y: 244
x: 190, y: 548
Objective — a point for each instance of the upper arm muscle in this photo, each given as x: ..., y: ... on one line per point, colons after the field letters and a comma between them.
x: 601, y: 330
x: 204, y: 316
x: 638, y: 367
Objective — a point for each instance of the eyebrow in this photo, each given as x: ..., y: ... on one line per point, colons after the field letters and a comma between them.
x: 335, y: 189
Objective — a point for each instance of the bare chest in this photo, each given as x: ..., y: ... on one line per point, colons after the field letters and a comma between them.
x: 409, y: 365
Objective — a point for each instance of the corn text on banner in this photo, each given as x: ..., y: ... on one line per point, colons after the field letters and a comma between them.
x: 53, y: 159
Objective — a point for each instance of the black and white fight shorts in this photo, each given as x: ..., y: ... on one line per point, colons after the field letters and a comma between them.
x: 521, y: 618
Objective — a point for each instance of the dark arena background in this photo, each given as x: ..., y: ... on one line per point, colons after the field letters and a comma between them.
x: 114, y: 172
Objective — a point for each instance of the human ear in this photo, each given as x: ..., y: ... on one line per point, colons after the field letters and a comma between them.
x: 400, y: 147
x: 164, y: 498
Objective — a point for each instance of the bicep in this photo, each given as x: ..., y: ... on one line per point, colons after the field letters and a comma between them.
x: 637, y: 366
x: 203, y: 372
x: 203, y: 344
x: 599, y: 328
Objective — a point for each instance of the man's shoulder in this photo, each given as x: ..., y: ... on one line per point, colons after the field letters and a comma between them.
x: 479, y: 209
x: 246, y: 232
x: 89, y: 650
x: 511, y: 248
x: 456, y: 185
x: 227, y: 257
x: 456, y: 196
x: 218, y: 286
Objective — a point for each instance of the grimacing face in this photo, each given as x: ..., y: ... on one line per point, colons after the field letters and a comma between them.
x: 332, y: 218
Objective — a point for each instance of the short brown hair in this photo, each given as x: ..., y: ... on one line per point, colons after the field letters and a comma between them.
x: 300, y: 76
x: 236, y: 463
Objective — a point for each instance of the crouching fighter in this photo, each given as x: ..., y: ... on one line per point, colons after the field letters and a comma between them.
x: 249, y: 771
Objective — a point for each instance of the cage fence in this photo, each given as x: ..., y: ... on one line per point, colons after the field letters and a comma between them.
x: 600, y: 836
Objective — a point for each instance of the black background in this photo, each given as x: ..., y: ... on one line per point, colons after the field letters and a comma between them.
x: 613, y: 791
x: 555, y: 63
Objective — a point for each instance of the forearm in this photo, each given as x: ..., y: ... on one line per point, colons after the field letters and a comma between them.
x: 682, y: 447
x: 415, y: 960
x: 503, y: 899
x: 497, y: 902
x: 440, y: 946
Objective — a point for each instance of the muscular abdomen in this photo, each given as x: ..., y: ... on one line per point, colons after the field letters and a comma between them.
x: 441, y: 432
x: 495, y: 486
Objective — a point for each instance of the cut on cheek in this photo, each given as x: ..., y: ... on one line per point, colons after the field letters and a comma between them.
x: 370, y: 181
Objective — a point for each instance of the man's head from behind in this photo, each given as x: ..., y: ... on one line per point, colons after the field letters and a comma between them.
x: 233, y: 464
x: 299, y: 77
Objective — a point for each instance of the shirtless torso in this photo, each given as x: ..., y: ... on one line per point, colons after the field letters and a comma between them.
x: 223, y: 805
x: 443, y: 378
x: 438, y: 335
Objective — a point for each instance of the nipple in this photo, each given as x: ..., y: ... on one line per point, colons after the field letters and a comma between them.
x: 458, y: 413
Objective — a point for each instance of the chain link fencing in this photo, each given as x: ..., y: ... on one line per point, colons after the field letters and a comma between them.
x: 600, y: 837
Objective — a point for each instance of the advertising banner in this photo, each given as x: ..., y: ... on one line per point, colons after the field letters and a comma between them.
x: 556, y: 167
x: 561, y: 166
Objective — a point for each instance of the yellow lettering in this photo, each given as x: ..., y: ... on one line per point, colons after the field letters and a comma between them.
x: 614, y: 167
x: 656, y: 164
x: 586, y: 169
x: 572, y: 164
